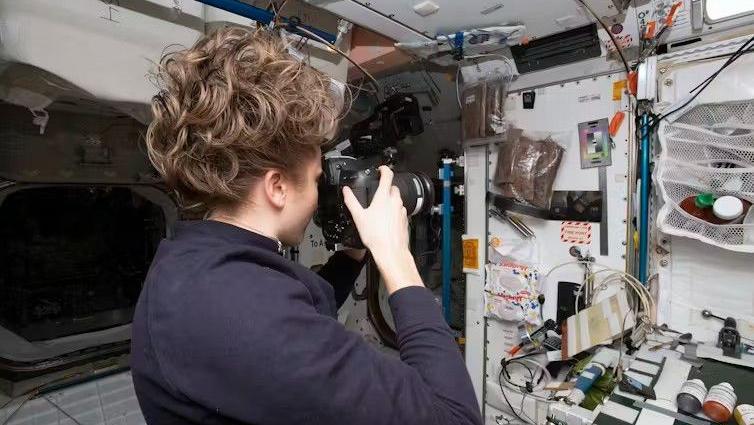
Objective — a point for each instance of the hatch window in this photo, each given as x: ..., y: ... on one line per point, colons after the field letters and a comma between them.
x: 720, y: 10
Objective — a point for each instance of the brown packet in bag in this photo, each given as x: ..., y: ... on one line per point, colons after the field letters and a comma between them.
x: 472, y: 111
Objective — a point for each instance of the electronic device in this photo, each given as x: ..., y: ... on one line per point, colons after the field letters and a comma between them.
x: 372, y: 143
x: 417, y: 193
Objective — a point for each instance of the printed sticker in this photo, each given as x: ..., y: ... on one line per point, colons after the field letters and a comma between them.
x: 618, y: 88
x: 470, y: 254
x: 576, y: 232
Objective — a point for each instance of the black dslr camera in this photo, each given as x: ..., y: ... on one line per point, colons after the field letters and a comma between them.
x: 393, y: 120
x: 417, y: 193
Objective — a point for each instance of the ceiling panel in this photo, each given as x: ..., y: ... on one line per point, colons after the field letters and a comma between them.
x: 541, y: 17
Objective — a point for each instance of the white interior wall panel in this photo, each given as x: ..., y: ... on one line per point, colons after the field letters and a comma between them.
x: 398, y: 19
x: 539, y: 15
x: 558, y: 109
x: 724, y: 281
x: 99, y: 46
x: 475, y: 175
x: 106, y: 48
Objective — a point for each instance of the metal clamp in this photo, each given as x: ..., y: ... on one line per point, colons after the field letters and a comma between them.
x: 515, y: 222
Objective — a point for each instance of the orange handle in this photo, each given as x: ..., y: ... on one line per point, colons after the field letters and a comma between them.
x: 649, y: 32
x: 514, y: 350
x: 633, y: 82
x: 671, y: 15
x: 616, y: 122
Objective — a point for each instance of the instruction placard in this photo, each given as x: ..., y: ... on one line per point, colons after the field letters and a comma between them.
x: 470, y: 255
x: 618, y: 88
x: 576, y: 232
x: 595, y: 143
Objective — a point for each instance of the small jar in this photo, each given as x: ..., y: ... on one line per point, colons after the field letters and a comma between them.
x: 728, y: 208
x: 744, y: 414
x: 691, y: 396
x: 719, y: 403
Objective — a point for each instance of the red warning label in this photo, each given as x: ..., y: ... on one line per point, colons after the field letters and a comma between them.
x: 576, y: 232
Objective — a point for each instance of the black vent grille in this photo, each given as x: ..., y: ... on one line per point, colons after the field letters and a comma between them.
x: 558, y: 49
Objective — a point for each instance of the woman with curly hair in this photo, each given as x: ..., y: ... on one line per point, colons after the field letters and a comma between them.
x: 228, y: 331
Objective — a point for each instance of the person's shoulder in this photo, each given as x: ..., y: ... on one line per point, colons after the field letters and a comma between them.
x: 211, y: 259
x: 218, y: 296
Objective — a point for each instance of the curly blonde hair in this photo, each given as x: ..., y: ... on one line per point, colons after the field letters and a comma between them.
x: 231, y: 107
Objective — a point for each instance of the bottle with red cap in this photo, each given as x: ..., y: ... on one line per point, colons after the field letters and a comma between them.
x: 719, y: 403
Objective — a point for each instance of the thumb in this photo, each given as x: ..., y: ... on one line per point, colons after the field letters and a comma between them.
x: 353, y: 204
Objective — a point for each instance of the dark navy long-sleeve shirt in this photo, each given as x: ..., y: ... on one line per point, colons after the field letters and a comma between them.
x: 227, y: 331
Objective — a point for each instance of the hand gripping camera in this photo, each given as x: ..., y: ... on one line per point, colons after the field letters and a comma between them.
x: 417, y: 193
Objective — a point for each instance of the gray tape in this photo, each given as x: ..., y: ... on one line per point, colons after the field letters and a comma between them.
x: 680, y: 416
x: 603, y: 221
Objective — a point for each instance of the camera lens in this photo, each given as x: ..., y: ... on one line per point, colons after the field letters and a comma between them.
x: 417, y: 192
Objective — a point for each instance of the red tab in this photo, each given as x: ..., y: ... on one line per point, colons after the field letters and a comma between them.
x: 671, y: 15
x: 649, y: 32
x: 616, y: 122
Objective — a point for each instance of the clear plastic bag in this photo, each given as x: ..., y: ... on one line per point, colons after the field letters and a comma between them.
x: 527, y: 165
x: 472, y: 111
x: 482, y: 105
x: 495, y: 93
x: 512, y: 286
x: 511, y: 293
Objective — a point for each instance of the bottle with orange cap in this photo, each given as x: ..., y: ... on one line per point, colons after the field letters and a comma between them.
x: 719, y: 403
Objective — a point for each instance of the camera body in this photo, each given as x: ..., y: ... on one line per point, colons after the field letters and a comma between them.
x: 392, y: 120
x: 363, y: 177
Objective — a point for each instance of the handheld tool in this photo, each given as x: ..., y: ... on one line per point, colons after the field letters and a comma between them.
x: 728, y: 339
x: 680, y: 339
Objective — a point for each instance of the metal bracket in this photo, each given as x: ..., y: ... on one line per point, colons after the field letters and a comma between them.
x: 604, y: 234
x: 697, y: 15
x: 607, y: 8
x: 647, y: 85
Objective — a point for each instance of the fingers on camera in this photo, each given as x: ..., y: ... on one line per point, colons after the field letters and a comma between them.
x: 386, y: 181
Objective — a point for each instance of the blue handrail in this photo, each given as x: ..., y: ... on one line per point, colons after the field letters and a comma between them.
x: 447, y: 260
x: 644, y: 201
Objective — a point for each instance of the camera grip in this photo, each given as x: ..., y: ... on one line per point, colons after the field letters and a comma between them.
x: 364, y: 184
x: 362, y: 194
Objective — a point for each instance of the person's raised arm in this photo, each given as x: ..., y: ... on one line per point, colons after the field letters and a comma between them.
x: 293, y: 365
x: 341, y: 271
x: 424, y: 339
x: 383, y: 228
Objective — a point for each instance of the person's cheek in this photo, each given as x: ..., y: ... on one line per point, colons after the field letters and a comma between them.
x: 315, y: 201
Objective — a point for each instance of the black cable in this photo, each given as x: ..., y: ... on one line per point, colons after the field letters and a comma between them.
x: 522, y: 364
x: 698, y: 90
x: 502, y: 390
x: 373, y: 81
x: 359, y: 296
x: 528, y: 386
x: 639, y: 30
x: 725, y: 65
x: 610, y: 34
x: 374, y: 310
x: 654, y: 44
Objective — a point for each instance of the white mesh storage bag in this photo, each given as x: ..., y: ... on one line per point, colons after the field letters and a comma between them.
x: 709, y: 148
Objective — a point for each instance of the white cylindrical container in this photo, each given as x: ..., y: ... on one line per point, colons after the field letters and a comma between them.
x: 744, y: 414
x: 728, y: 208
x: 691, y: 396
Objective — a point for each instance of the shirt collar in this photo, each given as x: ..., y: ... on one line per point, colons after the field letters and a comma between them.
x: 228, y: 232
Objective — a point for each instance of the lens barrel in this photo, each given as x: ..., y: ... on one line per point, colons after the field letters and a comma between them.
x: 417, y: 191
